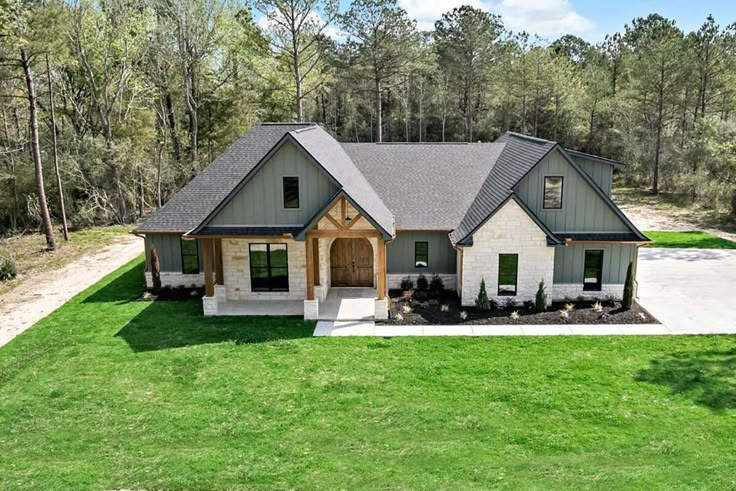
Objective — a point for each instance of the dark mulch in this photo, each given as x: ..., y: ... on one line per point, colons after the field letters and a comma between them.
x: 426, y: 309
x: 171, y: 294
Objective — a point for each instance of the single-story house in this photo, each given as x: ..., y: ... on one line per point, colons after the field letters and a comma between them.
x: 287, y: 213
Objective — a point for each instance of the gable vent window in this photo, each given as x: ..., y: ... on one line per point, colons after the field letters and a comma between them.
x: 189, y: 257
x: 291, y: 192
x: 553, y: 192
x: 421, y: 254
x: 593, y: 271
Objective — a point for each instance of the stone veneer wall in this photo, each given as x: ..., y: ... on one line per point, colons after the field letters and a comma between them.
x: 236, y: 269
x: 509, y: 231
x: 394, y: 280
x: 174, y: 280
x: 571, y: 291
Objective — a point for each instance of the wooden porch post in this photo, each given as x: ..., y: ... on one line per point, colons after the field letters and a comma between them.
x: 309, y: 255
x: 381, y: 282
x: 219, y: 277
x: 209, y: 289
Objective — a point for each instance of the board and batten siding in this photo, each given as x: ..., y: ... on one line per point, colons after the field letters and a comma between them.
x: 400, y: 253
x: 601, y: 173
x: 569, y: 262
x: 260, y: 201
x: 168, y: 247
x: 583, y: 209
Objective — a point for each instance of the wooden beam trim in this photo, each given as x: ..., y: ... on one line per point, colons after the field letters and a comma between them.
x: 344, y: 233
x: 219, y: 272
x: 209, y: 289
x: 333, y: 221
x: 354, y: 220
x: 343, y: 212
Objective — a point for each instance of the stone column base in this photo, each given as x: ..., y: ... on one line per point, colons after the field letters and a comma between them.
x: 209, y: 305
x: 220, y: 293
x: 381, y: 308
x: 311, y: 309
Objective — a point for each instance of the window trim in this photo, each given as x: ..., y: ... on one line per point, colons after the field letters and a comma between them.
x: 516, y: 276
x: 562, y: 193
x: 181, y: 255
x: 599, y: 285
x: 298, y: 193
x: 268, y: 267
x: 416, y: 242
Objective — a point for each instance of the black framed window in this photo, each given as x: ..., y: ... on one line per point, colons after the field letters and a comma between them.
x: 290, y: 186
x: 421, y: 254
x: 508, y: 271
x: 553, y: 192
x: 189, y: 256
x: 593, y: 271
x: 269, y: 268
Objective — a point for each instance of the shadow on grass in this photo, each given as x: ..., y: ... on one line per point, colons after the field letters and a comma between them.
x: 166, y: 325
x: 707, y: 377
x: 125, y: 288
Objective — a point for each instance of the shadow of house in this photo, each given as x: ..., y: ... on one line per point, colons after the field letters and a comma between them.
x: 707, y: 377
x: 167, y: 325
x: 123, y: 289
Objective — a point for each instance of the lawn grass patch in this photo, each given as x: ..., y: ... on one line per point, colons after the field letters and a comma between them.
x: 109, y: 392
x: 688, y: 240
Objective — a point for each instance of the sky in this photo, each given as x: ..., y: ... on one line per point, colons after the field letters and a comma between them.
x: 589, y: 19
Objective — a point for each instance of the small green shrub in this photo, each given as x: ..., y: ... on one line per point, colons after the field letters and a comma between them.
x: 481, y: 301
x: 628, y: 299
x: 8, y: 269
x: 540, y: 301
x: 436, y: 284
x: 407, y: 284
x: 422, y: 283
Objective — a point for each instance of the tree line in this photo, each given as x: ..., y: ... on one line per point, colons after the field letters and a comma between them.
x: 108, y: 107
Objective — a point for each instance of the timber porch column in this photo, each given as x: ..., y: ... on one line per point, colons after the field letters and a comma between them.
x: 209, y: 289
x: 219, y: 277
x: 309, y: 254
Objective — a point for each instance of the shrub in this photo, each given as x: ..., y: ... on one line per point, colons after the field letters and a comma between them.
x: 399, y: 317
x: 540, y: 301
x: 422, y: 283
x: 515, y: 315
x: 628, y: 299
x: 510, y: 303
x: 597, y: 307
x: 564, y: 313
x: 406, y: 309
x: 407, y: 284
x: 481, y: 301
x: 569, y: 307
x: 436, y: 284
x: 463, y: 315
x: 155, y: 270
x: 445, y: 308
x: 8, y: 269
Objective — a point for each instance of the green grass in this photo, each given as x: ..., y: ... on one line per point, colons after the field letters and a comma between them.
x: 688, y: 240
x: 109, y: 392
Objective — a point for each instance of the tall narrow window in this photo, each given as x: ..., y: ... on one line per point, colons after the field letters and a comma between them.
x: 508, y: 270
x: 421, y: 254
x: 269, y: 269
x: 291, y: 192
x: 189, y: 257
x: 553, y: 192
x: 593, y: 271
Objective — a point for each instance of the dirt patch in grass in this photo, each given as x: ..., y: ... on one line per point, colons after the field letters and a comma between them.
x: 446, y: 310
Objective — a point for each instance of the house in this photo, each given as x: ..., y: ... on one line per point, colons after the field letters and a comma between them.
x: 288, y: 213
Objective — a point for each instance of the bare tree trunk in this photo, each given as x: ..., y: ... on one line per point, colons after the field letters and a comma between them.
x: 13, y: 179
x: 191, y: 99
x: 171, y: 117
x: 141, y: 193
x: 379, y: 116
x: 299, y: 104
x: 55, y: 153
x: 36, y: 151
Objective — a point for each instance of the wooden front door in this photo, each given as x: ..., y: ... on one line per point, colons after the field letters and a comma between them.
x: 351, y: 262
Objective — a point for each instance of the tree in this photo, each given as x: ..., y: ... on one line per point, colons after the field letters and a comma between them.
x: 381, y: 37
x: 628, y: 297
x: 482, y: 303
x: 55, y: 152
x: 465, y: 40
x: 540, y: 299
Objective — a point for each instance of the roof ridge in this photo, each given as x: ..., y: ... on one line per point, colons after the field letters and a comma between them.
x: 306, y: 128
x: 528, y: 137
x: 285, y: 123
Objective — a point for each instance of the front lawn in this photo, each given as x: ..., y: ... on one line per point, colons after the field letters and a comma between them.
x: 109, y: 392
x: 688, y: 240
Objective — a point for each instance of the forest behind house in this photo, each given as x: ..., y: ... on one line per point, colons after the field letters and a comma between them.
x: 107, y: 108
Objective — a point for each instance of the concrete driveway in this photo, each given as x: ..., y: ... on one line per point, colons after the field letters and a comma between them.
x: 689, y: 290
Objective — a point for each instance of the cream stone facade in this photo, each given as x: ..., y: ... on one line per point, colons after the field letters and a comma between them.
x: 175, y: 280
x: 509, y: 231
x: 571, y: 291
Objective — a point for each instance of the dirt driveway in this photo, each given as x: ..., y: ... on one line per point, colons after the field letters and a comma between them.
x: 41, y: 293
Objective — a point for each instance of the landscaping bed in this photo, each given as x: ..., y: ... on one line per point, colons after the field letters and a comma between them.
x: 445, y: 309
x: 168, y: 294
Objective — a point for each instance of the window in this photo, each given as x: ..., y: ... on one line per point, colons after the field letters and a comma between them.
x: 593, y: 271
x: 553, y: 192
x: 421, y: 254
x: 291, y: 192
x: 189, y: 256
x: 508, y: 269
x: 269, y: 270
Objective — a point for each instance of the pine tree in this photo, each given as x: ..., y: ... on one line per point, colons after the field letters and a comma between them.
x: 540, y: 301
x: 481, y: 302
x: 628, y: 299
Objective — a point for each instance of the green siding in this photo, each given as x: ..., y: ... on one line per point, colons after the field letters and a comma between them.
x: 260, y: 201
x: 400, y: 253
x: 616, y: 258
x: 168, y: 247
x: 601, y: 173
x: 583, y: 209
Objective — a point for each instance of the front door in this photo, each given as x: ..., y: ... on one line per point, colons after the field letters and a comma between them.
x: 351, y: 262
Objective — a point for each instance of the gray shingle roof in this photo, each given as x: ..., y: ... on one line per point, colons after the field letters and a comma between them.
x: 519, y: 155
x: 601, y: 236
x: 193, y: 203
x: 240, y: 231
x: 427, y: 186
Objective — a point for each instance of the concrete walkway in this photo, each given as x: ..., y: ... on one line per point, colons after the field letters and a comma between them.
x: 360, y: 328
x: 41, y: 293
